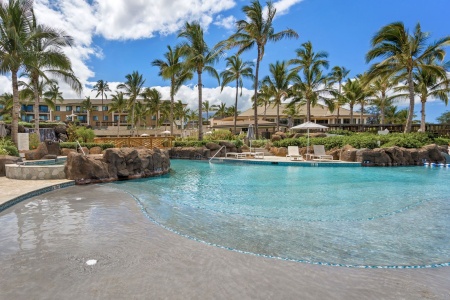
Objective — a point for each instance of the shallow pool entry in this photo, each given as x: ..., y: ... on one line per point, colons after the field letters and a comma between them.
x: 355, y: 217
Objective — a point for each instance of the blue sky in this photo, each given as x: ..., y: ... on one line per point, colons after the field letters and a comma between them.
x: 117, y: 37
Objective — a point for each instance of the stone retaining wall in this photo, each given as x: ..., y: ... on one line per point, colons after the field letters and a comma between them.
x: 35, y: 172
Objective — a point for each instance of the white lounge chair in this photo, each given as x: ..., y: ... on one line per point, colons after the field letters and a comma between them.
x: 319, y: 153
x: 293, y: 153
x: 236, y: 155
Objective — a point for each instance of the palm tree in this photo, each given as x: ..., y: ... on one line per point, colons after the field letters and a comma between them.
x: 278, y: 84
x: 264, y: 98
x: 198, y: 58
x: 337, y: 75
x: 291, y: 111
x: 102, y: 87
x: 236, y: 70
x: 394, y: 116
x: 221, y: 110
x: 132, y: 88
x: 352, y: 93
x: 257, y: 30
x: 206, y: 107
x: 53, y: 95
x: 231, y: 111
x: 165, y: 113
x: 16, y: 38
x: 173, y: 69
x: 381, y: 97
x: 311, y: 86
x: 404, y: 54
x: 86, y: 105
x: 181, y: 112
x: 118, y: 105
x: 427, y: 84
x: 6, y: 100
x: 46, y: 57
x: 153, y: 98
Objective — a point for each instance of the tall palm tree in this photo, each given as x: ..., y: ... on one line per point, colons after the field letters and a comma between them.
x: 132, y: 88
x: 181, y: 112
x: 165, y: 113
x: 118, y: 105
x: 102, y: 87
x: 403, y: 54
x: 192, y: 116
x: 221, y: 110
x: 337, y: 75
x: 199, y: 58
x: 291, y: 111
x: 206, y: 107
x: 87, y: 105
x: 236, y: 70
x: 257, y: 29
x: 394, y: 116
x: 352, y: 94
x: 264, y: 98
x: 17, y: 36
x: 172, y: 68
x: 47, y: 58
x: 311, y: 85
x: 279, y: 82
x: 52, y: 95
x: 381, y: 97
x: 153, y: 99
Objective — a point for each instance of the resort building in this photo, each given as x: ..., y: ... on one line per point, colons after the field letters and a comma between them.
x: 267, y: 118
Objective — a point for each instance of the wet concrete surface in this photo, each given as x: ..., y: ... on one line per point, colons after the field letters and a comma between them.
x: 46, y: 241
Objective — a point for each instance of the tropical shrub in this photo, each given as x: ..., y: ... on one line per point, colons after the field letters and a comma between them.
x: 442, y: 141
x: 34, y: 140
x: 84, y: 134
x: 7, y: 147
x: 219, y: 134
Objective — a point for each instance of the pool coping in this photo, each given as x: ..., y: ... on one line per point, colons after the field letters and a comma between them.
x: 34, y: 192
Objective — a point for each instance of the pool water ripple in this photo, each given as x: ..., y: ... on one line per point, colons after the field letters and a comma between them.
x: 387, y: 217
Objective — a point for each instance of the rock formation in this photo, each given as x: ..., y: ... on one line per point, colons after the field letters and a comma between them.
x: 6, y: 160
x: 116, y: 164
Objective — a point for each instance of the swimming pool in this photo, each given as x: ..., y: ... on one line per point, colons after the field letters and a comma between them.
x: 356, y: 217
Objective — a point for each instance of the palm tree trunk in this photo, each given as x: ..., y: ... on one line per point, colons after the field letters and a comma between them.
x: 200, y: 118
x: 235, y: 104
x: 15, y: 108
x: 308, y: 110
x: 361, y: 114
x: 422, y: 119
x: 255, y: 96
x: 118, y: 124
x: 172, y: 84
x: 278, y: 117
x: 103, y: 114
x: 351, y: 114
x: 411, y: 103
x: 337, y: 120
x: 36, y: 106
x: 338, y: 106
x: 132, y: 118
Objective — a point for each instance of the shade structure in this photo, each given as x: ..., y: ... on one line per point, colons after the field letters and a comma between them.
x: 308, y: 126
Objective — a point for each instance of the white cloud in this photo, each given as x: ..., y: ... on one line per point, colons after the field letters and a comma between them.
x: 124, y: 19
x: 283, y: 6
x: 228, y: 23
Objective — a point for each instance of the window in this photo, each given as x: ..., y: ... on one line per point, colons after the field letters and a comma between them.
x: 95, y: 108
x: 57, y: 108
x: 116, y: 118
x: 104, y: 108
x: 68, y: 108
x: 95, y: 118
x: 1, y: 106
x: 153, y: 118
x: 57, y: 118
x: 105, y: 118
x: 77, y: 108
x: 43, y: 108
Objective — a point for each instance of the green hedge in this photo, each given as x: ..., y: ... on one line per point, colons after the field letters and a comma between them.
x: 366, y: 140
x: 8, y: 146
x: 190, y: 143
x: 73, y: 145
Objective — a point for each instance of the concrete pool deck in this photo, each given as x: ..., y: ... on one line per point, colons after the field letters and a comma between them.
x: 46, y: 241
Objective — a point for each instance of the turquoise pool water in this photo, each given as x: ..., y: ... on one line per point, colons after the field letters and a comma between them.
x: 383, y: 217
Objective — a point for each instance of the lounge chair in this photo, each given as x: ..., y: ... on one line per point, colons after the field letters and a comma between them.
x: 319, y: 153
x: 293, y: 153
x: 236, y: 155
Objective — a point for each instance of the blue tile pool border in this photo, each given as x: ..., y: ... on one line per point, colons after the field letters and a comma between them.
x: 287, y: 163
x: 34, y: 193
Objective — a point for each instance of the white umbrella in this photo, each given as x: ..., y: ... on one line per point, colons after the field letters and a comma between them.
x: 165, y: 132
x: 308, y: 126
x: 71, y: 116
x: 250, y: 135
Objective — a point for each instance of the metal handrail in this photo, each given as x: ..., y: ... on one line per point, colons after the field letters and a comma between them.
x: 81, y: 148
x: 216, y: 153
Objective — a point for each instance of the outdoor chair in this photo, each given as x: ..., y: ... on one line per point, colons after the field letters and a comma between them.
x: 319, y: 153
x: 293, y: 153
